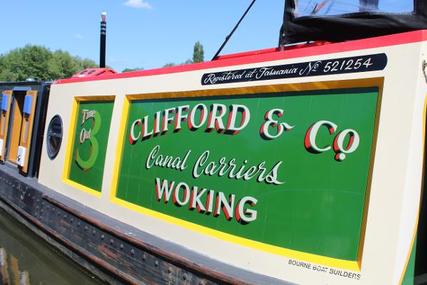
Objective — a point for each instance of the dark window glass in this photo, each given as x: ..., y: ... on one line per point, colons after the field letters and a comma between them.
x: 54, y: 136
x: 333, y: 7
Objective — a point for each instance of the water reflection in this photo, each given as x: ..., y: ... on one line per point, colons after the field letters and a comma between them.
x: 29, y: 253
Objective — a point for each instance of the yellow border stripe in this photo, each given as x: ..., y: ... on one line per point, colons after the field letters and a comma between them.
x: 344, y: 264
x: 70, y: 140
x: 119, y: 150
x: 82, y: 187
x: 333, y: 262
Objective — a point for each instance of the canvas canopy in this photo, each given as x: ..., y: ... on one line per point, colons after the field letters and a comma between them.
x: 332, y: 20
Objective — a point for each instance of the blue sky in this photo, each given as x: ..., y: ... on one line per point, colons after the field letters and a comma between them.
x: 140, y: 33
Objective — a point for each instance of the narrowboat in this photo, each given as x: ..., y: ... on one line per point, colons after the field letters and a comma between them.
x: 299, y: 164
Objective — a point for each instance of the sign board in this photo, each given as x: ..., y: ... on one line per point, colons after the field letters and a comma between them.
x: 89, y: 135
x: 284, y: 171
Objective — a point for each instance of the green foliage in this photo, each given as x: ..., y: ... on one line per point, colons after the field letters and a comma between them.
x: 40, y: 63
x: 198, y: 53
x: 132, y: 69
x: 169, y: 64
x: 198, y: 56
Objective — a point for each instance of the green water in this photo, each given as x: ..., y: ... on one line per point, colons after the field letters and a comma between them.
x: 44, y: 264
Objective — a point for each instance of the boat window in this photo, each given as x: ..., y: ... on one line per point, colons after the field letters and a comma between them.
x: 331, y: 7
x: 54, y: 136
x: 343, y: 20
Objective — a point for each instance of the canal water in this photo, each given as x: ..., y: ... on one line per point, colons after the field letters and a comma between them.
x: 26, y: 252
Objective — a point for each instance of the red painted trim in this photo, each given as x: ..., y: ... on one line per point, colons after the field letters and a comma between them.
x: 270, y: 55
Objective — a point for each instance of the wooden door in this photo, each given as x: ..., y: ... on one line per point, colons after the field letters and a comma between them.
x: 6, y: 100
x: 26, y: 130
x: 15, y: 124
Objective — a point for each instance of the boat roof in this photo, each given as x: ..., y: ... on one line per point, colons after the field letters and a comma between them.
x: 272, y: 54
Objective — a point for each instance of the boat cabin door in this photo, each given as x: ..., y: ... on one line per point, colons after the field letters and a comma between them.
x: 20, y: 128
x: 6, y: 99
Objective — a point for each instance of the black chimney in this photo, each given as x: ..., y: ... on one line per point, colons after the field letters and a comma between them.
x: 103, y: 39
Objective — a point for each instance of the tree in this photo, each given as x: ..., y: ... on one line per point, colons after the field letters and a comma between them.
x: 132, y: 69
x: 170, y: 64
x: 40, y: 63
x: 198, y: 56
x: 198, y: 53
x: 22, y: 63
x: 61, y: 65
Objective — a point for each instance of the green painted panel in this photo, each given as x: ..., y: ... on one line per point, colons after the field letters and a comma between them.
x: 90, y: 143
x: 409, y: 277
x: 295, y: 175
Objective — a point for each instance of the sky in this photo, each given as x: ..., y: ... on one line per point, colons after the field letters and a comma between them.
x: 140, y: 33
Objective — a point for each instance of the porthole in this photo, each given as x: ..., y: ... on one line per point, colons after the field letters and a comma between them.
x: 54, y: 136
